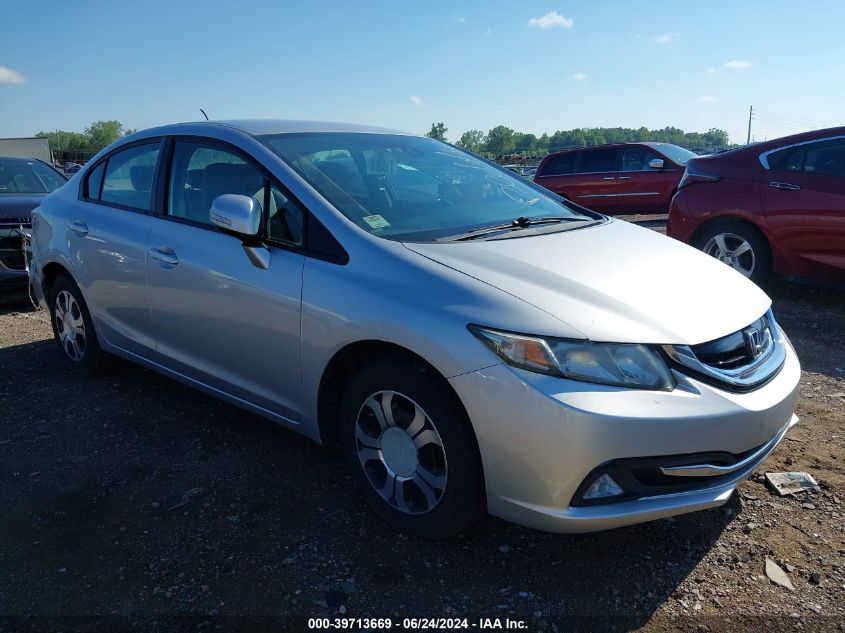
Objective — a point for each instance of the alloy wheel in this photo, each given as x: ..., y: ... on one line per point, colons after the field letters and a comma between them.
x: 401, y: 452
x: 733, y: 250
x: 70, y: 325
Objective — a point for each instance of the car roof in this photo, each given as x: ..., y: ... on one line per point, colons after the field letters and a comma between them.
x: 260, y: 127
x: 21, y: 158
x: 654, y: 144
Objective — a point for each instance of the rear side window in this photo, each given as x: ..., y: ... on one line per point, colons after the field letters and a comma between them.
x: 826, y: 158
x: 598, y: 160
x: 788, y: 159
x: 95, y: 182
x: 561, y: 165
x: 129, y: 176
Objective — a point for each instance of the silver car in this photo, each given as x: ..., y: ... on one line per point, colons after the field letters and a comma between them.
x: 472, y: 342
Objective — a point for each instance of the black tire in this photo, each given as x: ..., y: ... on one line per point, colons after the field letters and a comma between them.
x: 760, y: 250
x: 91, y: 359
x: 462, y: 502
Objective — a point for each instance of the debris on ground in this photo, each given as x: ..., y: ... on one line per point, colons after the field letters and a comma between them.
x: 791, y: 483
x: 777, y: 575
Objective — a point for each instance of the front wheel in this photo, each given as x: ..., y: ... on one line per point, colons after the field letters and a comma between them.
x: 410, y: 449
x: 739, y: 246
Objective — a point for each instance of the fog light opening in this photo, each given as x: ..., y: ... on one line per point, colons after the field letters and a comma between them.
x: 602, y: 487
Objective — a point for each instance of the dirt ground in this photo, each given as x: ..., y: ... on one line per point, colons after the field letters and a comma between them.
x: 132, y: 501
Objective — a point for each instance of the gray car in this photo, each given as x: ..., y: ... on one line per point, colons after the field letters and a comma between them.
x: 471, y: 341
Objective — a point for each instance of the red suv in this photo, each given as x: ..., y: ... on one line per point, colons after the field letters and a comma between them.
x: 777, y: 206
x: 612, y: 179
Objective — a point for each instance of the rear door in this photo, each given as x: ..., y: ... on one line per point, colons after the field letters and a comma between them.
x: 219, y: 318
x: 596, y: 184
x: 107, y: 233
x: 642, y: 189
x: 803, y: 197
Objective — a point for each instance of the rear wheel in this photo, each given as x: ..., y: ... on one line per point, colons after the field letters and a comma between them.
x: 73, y: 328
x: 740, y: 246
x: 410, y: 449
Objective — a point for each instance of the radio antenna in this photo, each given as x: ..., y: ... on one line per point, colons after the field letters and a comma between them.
x: 204, y: 114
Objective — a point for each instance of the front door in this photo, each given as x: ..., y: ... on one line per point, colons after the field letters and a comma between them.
x: 641, y: 189
x: 219, y: 318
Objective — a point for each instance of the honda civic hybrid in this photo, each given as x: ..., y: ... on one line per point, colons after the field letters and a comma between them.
x: 472, y: 342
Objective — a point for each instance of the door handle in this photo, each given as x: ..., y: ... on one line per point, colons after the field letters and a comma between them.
x: 624, y: 178
x: 165, y: 256
x: 79, y: 227
x: 784, y: 186
x: 609, y: 178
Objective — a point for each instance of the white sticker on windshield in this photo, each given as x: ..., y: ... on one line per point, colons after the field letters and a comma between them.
x: 376, y: 221
x: 380, y: 163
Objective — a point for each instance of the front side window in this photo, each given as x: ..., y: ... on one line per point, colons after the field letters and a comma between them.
x: 637, y: 159
x: 28, y: 176
x: 826, y: 158
x: 676, y: 154
x: 285, y: 218
x: 598, y: 160
x: 407, y: 187
x: 201, y: 173
x: 129, y: 176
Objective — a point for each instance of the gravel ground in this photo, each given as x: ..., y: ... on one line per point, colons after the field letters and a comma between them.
x: 132, y: 501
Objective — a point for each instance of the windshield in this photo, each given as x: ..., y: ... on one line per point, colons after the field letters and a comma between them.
x: 675, y: 153
x: 28, y: 176
x: 412, y: 188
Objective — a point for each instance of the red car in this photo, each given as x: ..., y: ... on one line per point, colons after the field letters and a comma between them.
x: 777, y: 206
x: 613, y: 179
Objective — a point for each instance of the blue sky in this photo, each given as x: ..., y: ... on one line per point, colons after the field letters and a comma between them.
x: 534, y: 66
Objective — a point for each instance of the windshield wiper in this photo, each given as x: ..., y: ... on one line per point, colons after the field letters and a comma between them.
x: 518, y: 224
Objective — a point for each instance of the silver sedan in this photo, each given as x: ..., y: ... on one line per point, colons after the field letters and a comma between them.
x: 471, y: 341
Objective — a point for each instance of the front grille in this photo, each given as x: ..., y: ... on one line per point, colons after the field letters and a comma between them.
x: 15, y: 223
x: 736, y: 350
x: 11, y: 255
x: 741, y: 361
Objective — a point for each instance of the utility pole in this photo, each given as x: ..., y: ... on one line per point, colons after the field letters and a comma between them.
x: 750, y: 114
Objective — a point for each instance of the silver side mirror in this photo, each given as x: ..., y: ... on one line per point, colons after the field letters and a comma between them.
x: 655, y: 163
x: 235, y: 214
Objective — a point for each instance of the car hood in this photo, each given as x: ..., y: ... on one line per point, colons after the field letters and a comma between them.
x: 19, y: 205
x: 615, y: 282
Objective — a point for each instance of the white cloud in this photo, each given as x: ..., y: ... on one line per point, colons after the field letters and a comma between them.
x: 9, y: 76
x: 666, y: 38
x: 737, y: 64
x: 579, y: 76
x: 416, y: 100
x: 705, y: 99
x: 551, y: 20
x: 711, y: 71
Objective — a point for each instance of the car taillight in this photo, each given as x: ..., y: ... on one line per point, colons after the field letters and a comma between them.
x: 694, y: 174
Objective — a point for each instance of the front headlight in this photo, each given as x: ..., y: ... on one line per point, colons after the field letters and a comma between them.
x: 617, y: 364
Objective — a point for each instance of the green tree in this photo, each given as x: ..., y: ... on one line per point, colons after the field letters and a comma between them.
x: 103, y: 133
x: 472, y: 140
x: 500, y: 141
x: 438, y: 131
x: 95, y: 137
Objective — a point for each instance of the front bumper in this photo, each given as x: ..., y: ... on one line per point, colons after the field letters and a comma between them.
x: 540, y: 437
